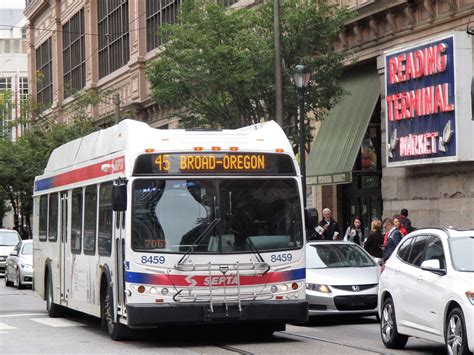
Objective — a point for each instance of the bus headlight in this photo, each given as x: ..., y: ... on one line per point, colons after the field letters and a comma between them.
x: 164, y: 291
x: 274, y: 289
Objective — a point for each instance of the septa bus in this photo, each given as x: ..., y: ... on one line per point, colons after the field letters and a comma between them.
x: 145, y: 227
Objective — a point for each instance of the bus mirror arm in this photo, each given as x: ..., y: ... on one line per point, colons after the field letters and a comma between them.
x: 119, y: 195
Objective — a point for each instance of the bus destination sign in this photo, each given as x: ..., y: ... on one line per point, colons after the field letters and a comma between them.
x: 214, y: 163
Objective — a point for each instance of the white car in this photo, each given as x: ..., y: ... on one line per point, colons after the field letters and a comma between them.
x: 427, y: 290
x: 19, y: 265
x: 8, y: 239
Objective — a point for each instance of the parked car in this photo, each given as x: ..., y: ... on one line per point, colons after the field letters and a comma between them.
x: 341, y: 277
x: 427, y: 290
x: 8, y: 239
x: 19, y: 265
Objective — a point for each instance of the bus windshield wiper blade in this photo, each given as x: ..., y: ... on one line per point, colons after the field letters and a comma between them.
x: 199, y: 239
x: 257, y: 252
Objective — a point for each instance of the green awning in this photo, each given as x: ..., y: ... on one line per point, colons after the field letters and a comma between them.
x: 339, y: 138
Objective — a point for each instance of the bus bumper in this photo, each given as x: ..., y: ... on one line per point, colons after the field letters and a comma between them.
x: 144, y: 315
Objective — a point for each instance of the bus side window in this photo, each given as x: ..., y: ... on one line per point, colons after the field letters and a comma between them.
x: 105, y: 219
x: 53, y: 217
x: 43, y: 218
x: 76, y: 223
x: 90, y: 219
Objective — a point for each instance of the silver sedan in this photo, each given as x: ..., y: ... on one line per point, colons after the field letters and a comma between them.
x: 341, y: 277
x: 19, y: 265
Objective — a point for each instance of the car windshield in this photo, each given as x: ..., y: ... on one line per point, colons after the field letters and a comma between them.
x: 321, y: 256
x: 216, y: 215
x: 462, y: 251
x: 27, y: 249
x: 9, y: 238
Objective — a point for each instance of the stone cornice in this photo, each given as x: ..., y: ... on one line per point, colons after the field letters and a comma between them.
x: 384, y: 20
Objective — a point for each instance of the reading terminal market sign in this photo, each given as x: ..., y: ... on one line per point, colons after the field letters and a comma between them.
x: 428, y: 101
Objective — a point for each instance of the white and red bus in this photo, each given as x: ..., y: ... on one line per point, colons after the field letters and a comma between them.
x: 144, y: 227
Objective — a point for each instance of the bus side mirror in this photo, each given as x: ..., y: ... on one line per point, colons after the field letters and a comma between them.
x: 311, y: 217
x: 119, y: 196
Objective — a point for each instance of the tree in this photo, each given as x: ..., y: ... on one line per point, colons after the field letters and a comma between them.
x: 26, y: 158
x: 217, y: 70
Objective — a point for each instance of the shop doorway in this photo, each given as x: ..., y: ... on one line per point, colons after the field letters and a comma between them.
x: 363, y: 196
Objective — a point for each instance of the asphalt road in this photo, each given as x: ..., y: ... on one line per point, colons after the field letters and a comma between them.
x: 25, y: 328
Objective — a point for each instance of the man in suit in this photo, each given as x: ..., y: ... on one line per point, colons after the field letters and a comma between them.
x: 328, y: 228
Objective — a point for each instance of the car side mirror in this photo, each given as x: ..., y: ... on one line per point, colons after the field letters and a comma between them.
x: 14, y: 253
x: 433, y: 265
x: 119, y: 195
x: 310, y: 217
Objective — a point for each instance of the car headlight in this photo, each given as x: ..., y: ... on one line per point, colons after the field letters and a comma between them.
x: 26, y: 266
x: 318, y: 288
x: 470, y: 296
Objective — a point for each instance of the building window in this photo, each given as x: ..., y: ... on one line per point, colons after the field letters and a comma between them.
x: 74, y: 63
x: 114, y: 48
x: 5, y: 106
x: 44, y: 74
x: 159, y: 12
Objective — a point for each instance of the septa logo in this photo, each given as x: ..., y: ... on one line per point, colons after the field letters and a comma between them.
x: 224, y: 280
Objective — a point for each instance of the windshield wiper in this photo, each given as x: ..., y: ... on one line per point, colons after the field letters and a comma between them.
x: 199, y: 239
x: 257, y: 252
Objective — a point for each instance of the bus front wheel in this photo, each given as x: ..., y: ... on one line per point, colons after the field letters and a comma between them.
x: 116, y: 330
x: 54, y: 310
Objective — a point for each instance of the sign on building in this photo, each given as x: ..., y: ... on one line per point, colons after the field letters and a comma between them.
x: 428, y: 101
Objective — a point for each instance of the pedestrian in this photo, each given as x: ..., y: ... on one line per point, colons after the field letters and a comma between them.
x: 405, y: 221
x: 393, y: 239
x: 374, y: 243
x: 385, y: 230
x: 398, y: 224
x: 327, y: 228
x: 355, y: 232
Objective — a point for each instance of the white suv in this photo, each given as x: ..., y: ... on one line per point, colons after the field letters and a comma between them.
x: 427, y: 290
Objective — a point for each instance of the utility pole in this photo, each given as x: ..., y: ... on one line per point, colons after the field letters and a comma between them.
x: 116, y: 101
x: 278, y: 71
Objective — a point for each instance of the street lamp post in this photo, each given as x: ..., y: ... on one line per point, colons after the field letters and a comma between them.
x: 301, y: 78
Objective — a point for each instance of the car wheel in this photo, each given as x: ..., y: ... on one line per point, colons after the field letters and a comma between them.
x: 7, y: 281
x: 388, y: 327
x: 18, y: 280
x: 117, y: 331
x: 54, y: 310
x: 456, y: 337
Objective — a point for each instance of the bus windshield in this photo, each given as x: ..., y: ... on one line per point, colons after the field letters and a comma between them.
x: 216, y: 215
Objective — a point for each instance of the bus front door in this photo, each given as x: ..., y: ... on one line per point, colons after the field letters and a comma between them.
x: 119, y: 254
x: 63, y: 218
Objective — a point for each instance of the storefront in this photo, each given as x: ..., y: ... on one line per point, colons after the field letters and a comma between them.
x: 402, y: 137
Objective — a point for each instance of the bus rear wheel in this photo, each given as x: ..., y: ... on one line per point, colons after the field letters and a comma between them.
x: 54, y: 310
x: 117, y: 331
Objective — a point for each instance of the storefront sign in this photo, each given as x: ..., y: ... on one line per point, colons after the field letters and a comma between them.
x: 428, y: 101
x: 330, y: 179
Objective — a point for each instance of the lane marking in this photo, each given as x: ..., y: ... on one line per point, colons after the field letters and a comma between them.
x: 4, y: 326
x: 58, y: 322
x: 21, y: 315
